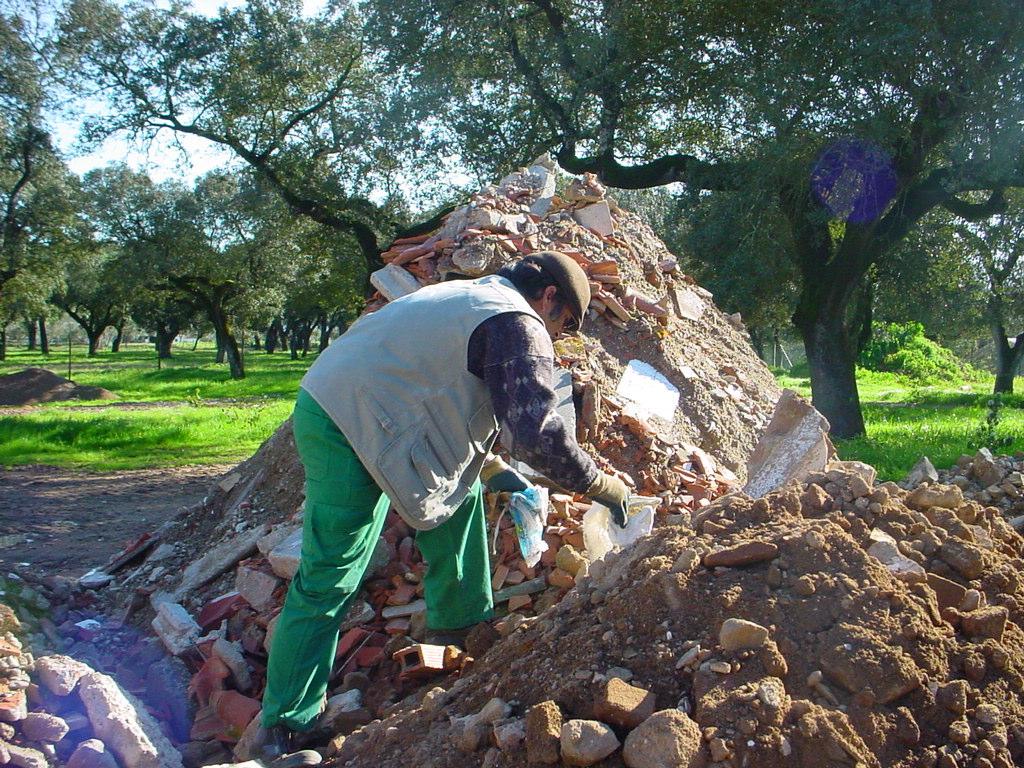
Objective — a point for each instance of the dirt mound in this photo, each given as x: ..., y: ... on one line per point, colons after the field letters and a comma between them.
x: 38, y: 385
x: 853, y: 662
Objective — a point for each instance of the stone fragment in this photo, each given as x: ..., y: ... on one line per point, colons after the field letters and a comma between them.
x: 948, y: 593
x: 747, y: 553
x: 40, y: 726
x: 25, y: 757
x: 277, y: 534
x: 686, y: 560
x: 91, y: 753
x: 585, y: 742
x: 667, y: 739
x: 233, y: 658
x: 922, y: 471
x: 597, y: 217
x: 393, y: 282
x: 927, y: 496
x: 561, y: 579
x: 217, y: 560
x: 60, y: 674
x: 124, y: 725
x: 794, y: 445
x: 740, y: 634
x: 953, y: 696
x: 510, y: 735
x: 570, y: 560
x: 964, y: 558
x: 885, y: 550
x: 95, y: 580
x: 256, y: 586
x: 175, y: 627
x: 284, y: 558
x: 622, y: 704
x: 543, y: 733
x: 13, y: 706
x: 985, y: 622
x: 985, y: 469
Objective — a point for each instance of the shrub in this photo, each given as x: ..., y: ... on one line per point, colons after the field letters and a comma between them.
x: 903, y: 348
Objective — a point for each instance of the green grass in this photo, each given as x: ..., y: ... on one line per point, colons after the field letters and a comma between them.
x: 212, y: 419
x: 132, y: 373
x: 906, y: 421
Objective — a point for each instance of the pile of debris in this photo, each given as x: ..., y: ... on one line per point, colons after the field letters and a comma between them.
x: 669, y: 394
x: 987, y: 479
x: 834, y: 622
x: 57, y: 708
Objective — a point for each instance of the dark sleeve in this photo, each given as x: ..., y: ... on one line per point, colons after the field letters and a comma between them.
x: 512, y: 353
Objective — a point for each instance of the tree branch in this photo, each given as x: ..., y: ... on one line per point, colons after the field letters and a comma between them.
x: 688, y: 169
x: 996, y: 203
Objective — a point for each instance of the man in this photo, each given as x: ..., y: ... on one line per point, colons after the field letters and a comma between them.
x: 409, y: 402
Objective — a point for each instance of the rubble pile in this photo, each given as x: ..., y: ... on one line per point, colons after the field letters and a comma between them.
x: 58, y: 709
x: 832, y: 623
x: 987, y: 479
x: 38, y: 385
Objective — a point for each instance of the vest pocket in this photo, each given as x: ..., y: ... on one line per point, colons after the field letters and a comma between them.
x: 483, y: 427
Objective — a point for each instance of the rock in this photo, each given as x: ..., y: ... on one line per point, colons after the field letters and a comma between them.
x: 667, y: 739
x: 277, y: 534
x: 927, y: 496
x: 921, y: 472
x: 125, y: 727
x: 747, y: 553
x: 570, y: 560
x: 510, y: 735
x: 393, y: 282
x: 284, y: 558
x: 39, y: 726
x: 622, y: 704
x: 13, y: 706
x: 948, y: 593
x: 95, y: 580
x: 794, y: 445
x: 26, y: 757
x: 953, y: 696
x: 985, y: 469
x: 167, y: 683
x: 344, y: 713
x: 561, y: 579
x: 217, y: 560
x: 175, y: 627
x: 964, y: 558
x: 60, y: 674
x: 233, y: 658
x: 543, y: 733
x: 885, y: 550
x: 585, y: 742
x: 91, y: 753
x: 686, y: 560
x: 985, y: 622
x: 256, y: 586
x: 740, y: 634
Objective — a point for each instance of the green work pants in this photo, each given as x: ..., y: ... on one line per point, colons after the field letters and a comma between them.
x: 345, y: 512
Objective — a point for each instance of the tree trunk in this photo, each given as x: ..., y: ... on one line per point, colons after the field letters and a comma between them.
x: 219, y: 339
x: 1007, y: 359
x: 864, y: 311
x: 44, y: 340
x: 30, y: 330
x: 273, y: 336
x: 256, y: 343
x: 757, y: 342
x: 294, y: 342
x: 226, y: 343
x: 94, y: 340
x: 3, y: 343
x: 325, y: 333
x: 115, y: 345
x: 307, y: 334
x: 833, y: 373
x: 164, y: 339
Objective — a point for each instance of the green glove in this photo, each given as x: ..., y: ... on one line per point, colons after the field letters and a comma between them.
x: 613, y: 493
x: 499, y: 476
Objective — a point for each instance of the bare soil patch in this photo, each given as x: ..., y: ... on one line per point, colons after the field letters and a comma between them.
x: 38, y: 385
x: 64, y: 522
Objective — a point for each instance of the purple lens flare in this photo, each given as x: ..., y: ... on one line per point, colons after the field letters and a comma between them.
x: 854, y: 179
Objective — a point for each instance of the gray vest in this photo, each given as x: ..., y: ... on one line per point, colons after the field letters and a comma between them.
x: 397, y: 386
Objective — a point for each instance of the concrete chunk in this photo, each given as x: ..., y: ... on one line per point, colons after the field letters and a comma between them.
x: 223, y: 556
x: 794, y: 445
x: 393, y: 282
x: 60, y: 674
x: 175, y: 627
x: 284, y: 558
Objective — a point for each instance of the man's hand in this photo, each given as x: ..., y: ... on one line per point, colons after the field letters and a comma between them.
x: 499, y: 476
x: 613, y: 493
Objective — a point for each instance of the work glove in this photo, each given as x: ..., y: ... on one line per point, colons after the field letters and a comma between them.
x: 613, y: 493
x: 499, y: 476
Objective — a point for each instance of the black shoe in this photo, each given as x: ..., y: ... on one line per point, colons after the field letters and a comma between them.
x: 276, y: 742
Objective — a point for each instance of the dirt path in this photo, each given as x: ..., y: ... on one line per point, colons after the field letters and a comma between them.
x: 62, y: 521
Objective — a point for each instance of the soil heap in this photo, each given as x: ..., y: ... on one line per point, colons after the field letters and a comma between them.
x: 38, y: 385
x: 832, y: 623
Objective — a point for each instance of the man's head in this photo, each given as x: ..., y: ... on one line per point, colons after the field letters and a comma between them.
x: 555, y: 286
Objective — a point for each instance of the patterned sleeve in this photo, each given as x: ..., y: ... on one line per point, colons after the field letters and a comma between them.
x: 512, y: 353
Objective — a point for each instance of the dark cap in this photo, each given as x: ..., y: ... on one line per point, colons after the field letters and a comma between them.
x: 570, y: 278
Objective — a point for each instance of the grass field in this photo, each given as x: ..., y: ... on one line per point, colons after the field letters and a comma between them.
x: 906, y: 421
x: 189, y: 411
